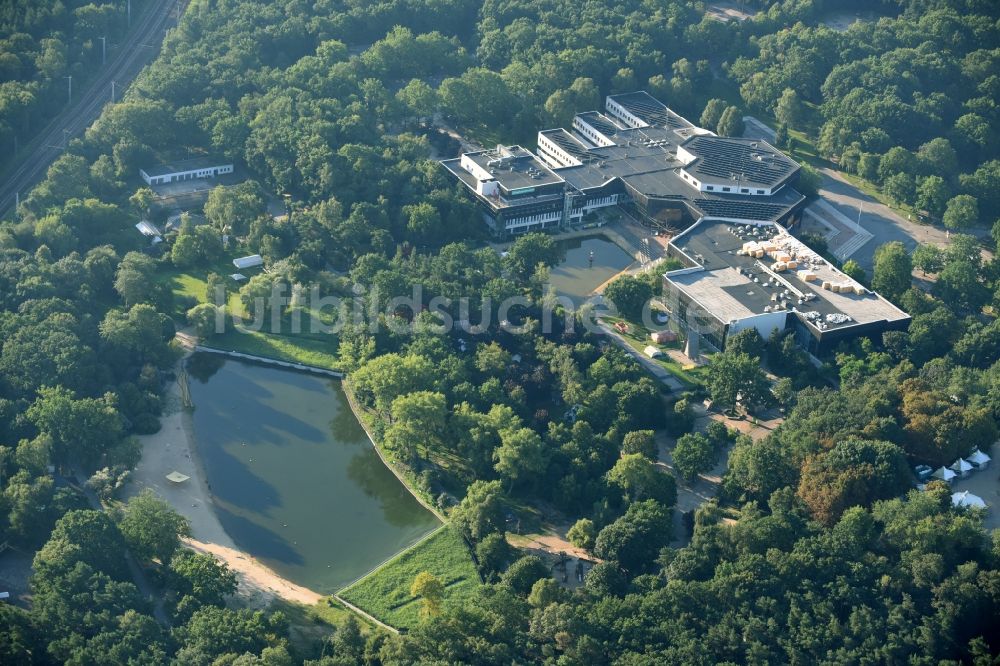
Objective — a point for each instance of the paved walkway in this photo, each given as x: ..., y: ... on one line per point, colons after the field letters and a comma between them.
x: 271, y: 361
x: 884, y: 224
x: 691, y: 495
x: 649, y: 364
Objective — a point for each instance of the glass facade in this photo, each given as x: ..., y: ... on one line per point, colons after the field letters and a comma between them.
x: 694, y: 317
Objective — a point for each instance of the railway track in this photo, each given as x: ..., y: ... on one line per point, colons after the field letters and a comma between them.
x: 139, y: 48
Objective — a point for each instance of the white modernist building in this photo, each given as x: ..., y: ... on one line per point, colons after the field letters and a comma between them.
x: 199, y: 167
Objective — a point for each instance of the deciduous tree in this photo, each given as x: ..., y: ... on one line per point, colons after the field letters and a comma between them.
x: 152, y: 528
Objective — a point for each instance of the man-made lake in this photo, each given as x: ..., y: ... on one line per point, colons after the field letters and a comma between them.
x: 588, y: 262
x: 295, y: 480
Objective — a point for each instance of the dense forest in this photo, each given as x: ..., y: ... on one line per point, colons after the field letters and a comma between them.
x: 42, y: 42
x: 816, y: 551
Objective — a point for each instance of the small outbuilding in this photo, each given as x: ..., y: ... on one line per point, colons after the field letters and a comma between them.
x: 967, y: 500
x: 249, y: 261
x: 662, y: 337
x: 979, y: 460
x: 652, y: 352
x: 198, y: 167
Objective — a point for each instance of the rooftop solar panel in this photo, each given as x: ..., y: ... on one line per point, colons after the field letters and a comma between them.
x: 600, y: 123
x: 746, y: 161
x: 567, y: 143
x: 740, y: 209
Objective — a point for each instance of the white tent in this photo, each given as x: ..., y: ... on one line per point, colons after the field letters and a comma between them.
x: 965, y: 499
x: 177, y: 477
x: 979, y: 459
x: 652, y: 352
x: 961, y: 467
x: 943, y: 474
x: 248, y: 262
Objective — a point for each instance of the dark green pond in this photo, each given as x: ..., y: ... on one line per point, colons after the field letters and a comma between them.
x: 296, y: 482
x: 579, y: 272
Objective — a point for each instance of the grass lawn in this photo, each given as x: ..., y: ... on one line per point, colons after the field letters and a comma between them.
x: 309, y: 626
x: 309, y: 348
x: 386, y: 592
x: 189, y: 285
x: 638, y: 338
x: 305, y: 350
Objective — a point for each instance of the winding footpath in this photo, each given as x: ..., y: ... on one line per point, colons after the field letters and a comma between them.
x: 146, y: 589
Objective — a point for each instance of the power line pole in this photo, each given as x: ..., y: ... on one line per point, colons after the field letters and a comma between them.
x: 70, y: 79
x: 104, y: 50
x: 128, y: 12
x: 112, y: 92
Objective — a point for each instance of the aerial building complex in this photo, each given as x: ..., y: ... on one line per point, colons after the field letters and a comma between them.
x: 725, y: 201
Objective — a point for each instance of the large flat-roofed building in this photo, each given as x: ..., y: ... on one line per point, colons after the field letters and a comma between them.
x: 726, y: 201
x: 739, y: 276
x: 637, y: 153
x: 198, y: 167
x: 515, y: 190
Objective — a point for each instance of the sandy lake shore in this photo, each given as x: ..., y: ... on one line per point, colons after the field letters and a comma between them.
x: 173, y: 449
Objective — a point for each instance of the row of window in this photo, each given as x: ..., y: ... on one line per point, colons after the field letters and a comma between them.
x: 554, y: 153
x: 617, y: 111
x: 190, y: 175
x: 591, y: 134
x: 743, y: 190
x: 530, y: 219
x: 721, y: 188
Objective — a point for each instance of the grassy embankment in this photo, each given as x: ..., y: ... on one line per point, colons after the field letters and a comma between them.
x: 385, y: 593
x: 310, y: 626
x: 638, y: 339
x: 309, y: 348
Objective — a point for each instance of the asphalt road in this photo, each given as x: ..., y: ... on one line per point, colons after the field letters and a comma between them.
x: 139, y: 47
